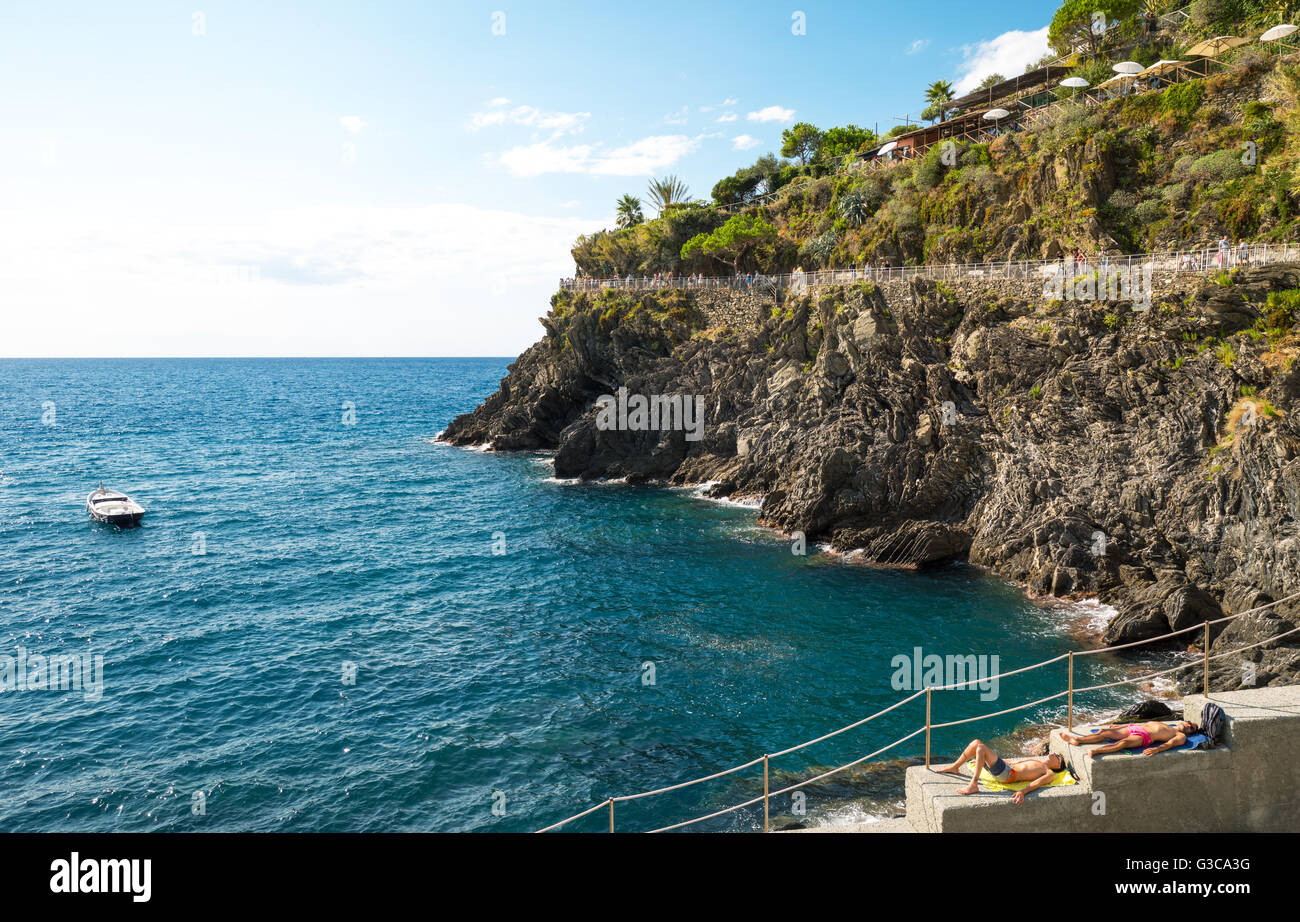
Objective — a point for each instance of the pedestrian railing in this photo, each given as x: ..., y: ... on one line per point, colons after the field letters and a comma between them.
x: 930, y: 725
x: 1204, y: 260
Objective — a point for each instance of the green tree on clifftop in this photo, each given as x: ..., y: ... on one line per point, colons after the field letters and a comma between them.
x: 802, y: 140
x: 743, y: 236
x: 1084, y: 24
x: 629, y: 211
x: 841, y: 141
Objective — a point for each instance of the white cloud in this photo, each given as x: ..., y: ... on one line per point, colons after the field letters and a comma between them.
x: 678, y: 117
x: 771, y: 114
x: 530, y: 117
x: 726, y: 117
x: 919, y: 44
x: 484, y: 119
x: 572, y: 203
x: 722, y: 105
x: 315, y: 281
x: 499, y: 101
x: 744, y: 142
x: 352, y: 124
x: 1007, y: 54
x: 639, y: 158
x: 545, y: 157
x: 645, y: 156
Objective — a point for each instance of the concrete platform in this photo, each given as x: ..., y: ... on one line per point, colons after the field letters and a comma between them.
x: 934, y: 805
x: 1250, y: 783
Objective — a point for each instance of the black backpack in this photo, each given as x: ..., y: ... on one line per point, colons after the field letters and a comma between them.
x: 1213, y: 721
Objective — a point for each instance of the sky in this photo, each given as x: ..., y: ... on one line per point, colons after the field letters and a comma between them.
x: 400, y: 178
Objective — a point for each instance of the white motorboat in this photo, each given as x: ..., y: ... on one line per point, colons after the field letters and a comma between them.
x: 113, y: 508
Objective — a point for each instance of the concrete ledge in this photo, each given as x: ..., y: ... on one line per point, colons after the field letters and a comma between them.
x: 1119, y: 768
x: 1251, y: 783
x: 934, y: 805
x: 1263, y: 729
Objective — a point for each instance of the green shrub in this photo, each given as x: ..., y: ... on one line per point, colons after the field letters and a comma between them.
x: 1281, y: 307
x: 818, y: 250
x: 1215, y: 14
x: 931, y: 170
x: 1149, y: 212
x: 1182, y: 99
x: 976, y: 155
x: 1220, y: 166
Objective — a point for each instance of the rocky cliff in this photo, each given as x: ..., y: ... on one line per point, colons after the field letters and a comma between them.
x: 1146, y: 457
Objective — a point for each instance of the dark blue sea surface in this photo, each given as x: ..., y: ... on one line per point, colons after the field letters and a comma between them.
x: 284, y: 541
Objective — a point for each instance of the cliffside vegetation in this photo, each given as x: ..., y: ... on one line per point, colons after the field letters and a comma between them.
x: 1174, y: 168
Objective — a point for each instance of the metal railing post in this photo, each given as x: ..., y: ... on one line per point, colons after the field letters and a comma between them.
x: 767, y: 819
x: 1069, y: 713
x: 927, y: 727
x: 611, y: 814
x: 1206, y: 689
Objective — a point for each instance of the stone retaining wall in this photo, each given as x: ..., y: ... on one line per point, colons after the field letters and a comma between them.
x: 746, y: 308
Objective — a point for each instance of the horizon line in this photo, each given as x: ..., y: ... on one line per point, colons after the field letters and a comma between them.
x: 117, y: 358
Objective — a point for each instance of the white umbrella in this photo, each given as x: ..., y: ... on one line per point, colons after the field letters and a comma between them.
x: 1074, y: 83
x: 1277, y: 32
x: 1160, y: 66
x: 1118, y: 78
x: 1127, y: 68
x: 888, y: 147
x: 994, y: 114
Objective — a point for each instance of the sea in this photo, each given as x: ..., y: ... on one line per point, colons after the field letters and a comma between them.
x: 329, y: 621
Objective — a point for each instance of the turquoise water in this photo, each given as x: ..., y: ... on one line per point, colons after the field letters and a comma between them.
x: 521, y: 673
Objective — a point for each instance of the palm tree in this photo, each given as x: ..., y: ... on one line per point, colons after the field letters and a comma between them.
x: 940, y: 91
x: 938, y: 95
x: 667, y: 192
x: 629, y: 211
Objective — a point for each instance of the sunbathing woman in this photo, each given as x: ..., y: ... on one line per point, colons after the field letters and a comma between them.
x: 1131, y: 736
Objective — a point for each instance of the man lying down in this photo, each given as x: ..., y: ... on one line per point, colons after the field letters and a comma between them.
x: 1131, y: 736
x: 1037, y: 770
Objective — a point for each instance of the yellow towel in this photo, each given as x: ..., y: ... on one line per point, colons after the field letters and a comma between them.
x: 994, y: 784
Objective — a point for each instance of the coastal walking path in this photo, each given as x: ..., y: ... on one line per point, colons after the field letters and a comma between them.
x: 1204, y: 261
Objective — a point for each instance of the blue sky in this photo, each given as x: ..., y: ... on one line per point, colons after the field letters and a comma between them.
x: 399, y: 178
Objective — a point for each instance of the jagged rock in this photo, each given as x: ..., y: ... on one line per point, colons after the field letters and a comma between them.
x: 1150, y: 709
x: 913, y: 426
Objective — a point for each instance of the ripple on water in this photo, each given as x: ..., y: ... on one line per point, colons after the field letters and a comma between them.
x: 627, y: 637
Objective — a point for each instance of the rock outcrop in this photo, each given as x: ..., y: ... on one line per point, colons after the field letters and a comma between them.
x: 1148, y: 458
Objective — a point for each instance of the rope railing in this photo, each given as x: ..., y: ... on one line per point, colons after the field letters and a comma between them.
x: 851, y: 726
x: 786, y: 790
x: 930, y: 726
x: 1019, y: 707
